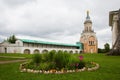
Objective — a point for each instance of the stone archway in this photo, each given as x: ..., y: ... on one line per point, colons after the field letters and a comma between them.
x: 45, y: 51
x: 71, y: 51
x: 80, y: 51
x: 27, y: 51
x: 65, y: 51
x: 53, y: 51
x: 76, y: 51
x: 36, y: 51
x: 5, y: 50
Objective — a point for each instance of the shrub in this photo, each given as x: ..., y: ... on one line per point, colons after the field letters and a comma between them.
x: 66, y: 57
x: 44, y: 66
x: 45, y: 57
x: 73, y: 60
x: 51, y: 56
x: 81, y: 64
x: 30, y: 65
x: 37, y: 58
x: 61, y: 59
x: 52, y: 65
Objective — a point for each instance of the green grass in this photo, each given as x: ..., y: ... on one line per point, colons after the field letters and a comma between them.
x: 16, y: 55
x: 109, y: 70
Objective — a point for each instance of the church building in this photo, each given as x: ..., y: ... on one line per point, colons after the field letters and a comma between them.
x: 88, y: 37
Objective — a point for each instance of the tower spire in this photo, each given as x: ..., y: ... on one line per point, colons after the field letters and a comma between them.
x: 88, y: 17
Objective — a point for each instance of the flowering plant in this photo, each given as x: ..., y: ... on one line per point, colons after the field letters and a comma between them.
x: 81, y: 57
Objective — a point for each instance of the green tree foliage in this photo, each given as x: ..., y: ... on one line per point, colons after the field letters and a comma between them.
x: 101, y: 50
x: 105, y: 50
x: 107, y: 47
x: 12, y: 39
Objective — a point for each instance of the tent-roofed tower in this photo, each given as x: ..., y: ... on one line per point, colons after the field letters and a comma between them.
x: 88, y: 37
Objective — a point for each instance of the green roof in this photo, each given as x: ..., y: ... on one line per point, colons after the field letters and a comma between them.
x: 44, y: 42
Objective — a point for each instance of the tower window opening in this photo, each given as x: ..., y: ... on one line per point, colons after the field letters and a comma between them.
x: 91, y: 43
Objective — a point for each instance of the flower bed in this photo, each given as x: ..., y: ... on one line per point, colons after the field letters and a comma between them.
x: 23, y: 69
x: 60, y: 62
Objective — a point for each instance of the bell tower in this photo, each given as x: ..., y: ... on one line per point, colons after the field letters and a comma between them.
x: 88, y: 36
x: 88, y: 24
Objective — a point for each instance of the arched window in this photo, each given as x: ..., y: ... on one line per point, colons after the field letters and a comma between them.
x: 91, y: 43
x: 87, y: 28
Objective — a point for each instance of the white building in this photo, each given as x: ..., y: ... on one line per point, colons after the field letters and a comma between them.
x: 34, y: 46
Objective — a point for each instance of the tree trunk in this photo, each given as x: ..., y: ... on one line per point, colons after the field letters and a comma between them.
x: 116, y: 47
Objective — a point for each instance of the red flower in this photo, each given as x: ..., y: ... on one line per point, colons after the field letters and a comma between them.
x: 81, y: 58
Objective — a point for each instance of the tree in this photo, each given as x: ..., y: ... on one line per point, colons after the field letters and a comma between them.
x: 107, y: 47
x: 12, y: 39
x: 101, y: 50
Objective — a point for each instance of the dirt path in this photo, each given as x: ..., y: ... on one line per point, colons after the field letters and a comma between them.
x: 12, y: 61
x: 12, y: 57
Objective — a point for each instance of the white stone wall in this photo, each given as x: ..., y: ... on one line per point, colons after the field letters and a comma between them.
x: 19, y: 47
x: 19, y: 43
x: 49, y: 49
x: 2, y: 50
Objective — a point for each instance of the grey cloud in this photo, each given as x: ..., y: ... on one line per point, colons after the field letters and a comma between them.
x: 54, y: 19
x: 12, y: 3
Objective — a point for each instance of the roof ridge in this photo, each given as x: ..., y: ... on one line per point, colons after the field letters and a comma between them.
x: 47, y: 42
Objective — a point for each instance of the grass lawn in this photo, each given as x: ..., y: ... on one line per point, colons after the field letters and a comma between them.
x: 16, y: 55
x: 109, y: 70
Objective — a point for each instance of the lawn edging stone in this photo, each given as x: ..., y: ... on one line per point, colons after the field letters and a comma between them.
x: 23, y: 69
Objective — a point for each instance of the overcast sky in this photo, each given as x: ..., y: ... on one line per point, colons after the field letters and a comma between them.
x: 55, y: 20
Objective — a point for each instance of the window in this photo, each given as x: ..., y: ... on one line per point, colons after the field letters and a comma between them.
x: 91, y: 43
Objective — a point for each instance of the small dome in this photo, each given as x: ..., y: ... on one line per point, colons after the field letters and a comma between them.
x: 87, y: 18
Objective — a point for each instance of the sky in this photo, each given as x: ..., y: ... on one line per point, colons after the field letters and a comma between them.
x: 55, y: 20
